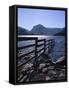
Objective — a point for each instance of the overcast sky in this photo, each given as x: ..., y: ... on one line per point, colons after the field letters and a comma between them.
x: 27, y: 18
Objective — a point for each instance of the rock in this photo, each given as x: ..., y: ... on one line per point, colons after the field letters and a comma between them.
x: 20, y: 76
x: 63, y: 70
x: 47, y: 64
x: 60, y: 61
x: 38, y: 77
x: 42, y: 65
x: 47, y: 59
x: 44, y: 70
x: 23, y: 79
x: 31, y: 71
x: 26, y: 57
x: 51, y: 72
x: 27, y: 66
x: 61, y: 75
x: 51, y: 67
x: 48, y: 78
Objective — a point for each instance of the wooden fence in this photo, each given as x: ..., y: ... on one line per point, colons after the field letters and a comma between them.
x: 47, y: 46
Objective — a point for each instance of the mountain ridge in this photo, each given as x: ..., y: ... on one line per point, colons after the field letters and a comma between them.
x: 40, y: 30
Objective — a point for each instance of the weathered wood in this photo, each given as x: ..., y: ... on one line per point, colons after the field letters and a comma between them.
x: 47, y: 44
x: 26, y: 61
x: 20, y: 38
x: 36, y: 54
x: 40, y: 45
x: 40, y: 50
x: 41, y: 40
x: 23, y: 55
x: 44, y: 45
x: 23, y: 47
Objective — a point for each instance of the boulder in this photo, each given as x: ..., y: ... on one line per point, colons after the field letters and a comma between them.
x: 60, y: 62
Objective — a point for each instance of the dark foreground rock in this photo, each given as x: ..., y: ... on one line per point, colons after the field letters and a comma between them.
x: 60, y: 62
x: 46, y: 70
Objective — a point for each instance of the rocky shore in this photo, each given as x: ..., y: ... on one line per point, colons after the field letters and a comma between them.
x: 46, y: 70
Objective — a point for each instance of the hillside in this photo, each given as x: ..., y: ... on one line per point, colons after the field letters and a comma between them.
x: 61, y: 33
x: 41, y: 30
x: 22, y: 31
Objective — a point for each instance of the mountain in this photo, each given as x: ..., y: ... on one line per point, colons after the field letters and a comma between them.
x: 52, y: 31
x: 22, y: 31
x: 61, y: 33
x: 39, y: 30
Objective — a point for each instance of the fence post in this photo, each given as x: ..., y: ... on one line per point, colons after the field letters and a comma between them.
x: 44, y: 45
x: 36, y: 54
x: 49, y: 46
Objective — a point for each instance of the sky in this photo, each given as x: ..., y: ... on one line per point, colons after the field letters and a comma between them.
x: 27, y: 18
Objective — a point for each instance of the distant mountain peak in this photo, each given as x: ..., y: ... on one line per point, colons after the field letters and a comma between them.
x: 39, y: 26
x: 39, y: 29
